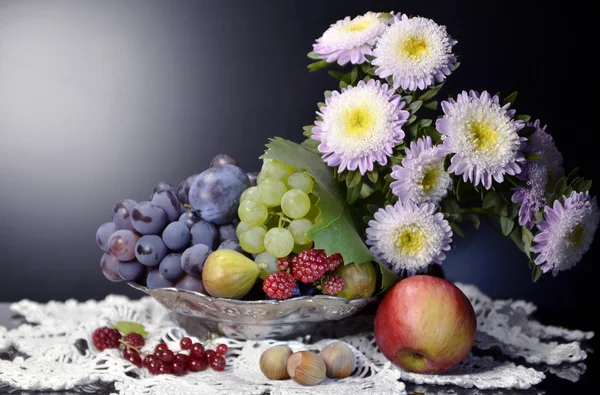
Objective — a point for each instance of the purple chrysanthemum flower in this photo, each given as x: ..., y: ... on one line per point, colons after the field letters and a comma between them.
x: 566, y: 233
x: 349, y: 40
x: 359, y: 126
x: 407, y: 237
x: 483, y: 136
x: 415, y: 52
x: 541, y: 175
x: 422, y: 177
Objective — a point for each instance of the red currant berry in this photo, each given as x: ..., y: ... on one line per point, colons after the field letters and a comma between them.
x: 179, y: 368
x: 197, y: 365
x: 161, y: 347
x: 210, y: 354
x: 197, y: 351
x: 148, y: 359
x: 164, y: 368
x: 222, y: 349
x: 182, y: 358
x: 135, y: 359
x: 167, y: 356
x: 218, y: 363
x: 185, y: 343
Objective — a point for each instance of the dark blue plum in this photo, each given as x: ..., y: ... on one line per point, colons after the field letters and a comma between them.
x: 189, y: 218
x: 223, y: 159
x: 161, y: 186
x: 192, y: 259
x: 156, y: 280
x: 148, y: 218
x: 231, y: 245
x: 121, y: 214
x: 176, y: 236
x: 167, y: 200
x: 110, y: 267
x: 253, y: 177
x: 227, y: 232
x: 307, y: 289
x: 216, y: 193
x: 103, y: 234
x: 150, y: 250
x: 190, y: 283
x: 131, y: 271
x: 205, y: 233
x: 183, y: 189
x: 170, y: 267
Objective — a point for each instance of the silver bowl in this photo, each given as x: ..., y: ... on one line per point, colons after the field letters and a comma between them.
x: 253, y: 320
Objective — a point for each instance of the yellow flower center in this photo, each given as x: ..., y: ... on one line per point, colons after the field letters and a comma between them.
x: 359, y: 121
x: 576, y: 236
x: 483, y: 136
x: 410, y: 240
x: 358, y: 25
x: 415, y: 47
x: 430, y: 178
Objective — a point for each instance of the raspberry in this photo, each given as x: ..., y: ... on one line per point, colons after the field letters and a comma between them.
x: 283, y: 263
x: 134, y: 340
x: 332, y: 284
x: 310, y: 265
x: 279, y: 285
x: 106, y: 338
x: 334, y: 261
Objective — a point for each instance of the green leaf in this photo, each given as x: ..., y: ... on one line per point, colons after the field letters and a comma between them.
x: 532, y: 157
x: 527, y: 238
x: 373, y: 176
x: 451, y: 206
x: 414, y: 106
x: 352, y: 75
x: 334, y: 229
x: 536, y: 273
x: 313, y: 55
x: 587, y: 186
x: 473, y: 218
x: 492, y: 199
x: 126, y: 327
x: 411, y: 119
x: 328, y: 94
x: 510, y: 98
x: 430, y: 93
x: 425, y: 123
x: 506, y: 225
x: 456, y: 229
x: 432, y: 105
x: 311, y: 145
x: 539, y: 216
x: 385, y: 15
x: 371, y: 71
x: 354, y: 178
x: 516, y: 237
x: 321, y: 64
x: 524, y: 118
x: 561, y: 185
x: 343, y: 84
x: 388, y: 278
x: 338, y: 75
x: 352, y: 195
x: 307, y: 130
x: 372, y: 208
x: 572, y: 175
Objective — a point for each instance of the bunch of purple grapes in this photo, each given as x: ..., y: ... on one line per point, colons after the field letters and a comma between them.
x: 165, y: 241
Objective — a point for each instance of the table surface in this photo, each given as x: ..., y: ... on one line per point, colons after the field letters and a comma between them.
x: 551, y: 385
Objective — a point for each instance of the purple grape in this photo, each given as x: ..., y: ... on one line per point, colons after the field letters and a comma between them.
x: 227, y: 232
x: 223, y: 159
x: 205, y: 233
x: 148, y: 218
x: 253, y: 177
x: 156, y: 280
x: 183, y: 189
x: 189, y: 218
x: 131, y: 271
x: 121, y: 214
x: 121, y: 244
x: 169, y: 203
x: 191, y: 284
x: 103, y: 234
x: 216, y: 193
x: 150, y: 250
x: 176, y: 236
x: 161, y: 186
x: 192, y: 259
x: 231, y: 245
x: 110, y: 267
x: 170, y: 267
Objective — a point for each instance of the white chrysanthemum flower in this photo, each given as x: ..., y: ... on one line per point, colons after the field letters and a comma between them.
x: 422, y: 177
x: 408, y: 237
x: 566, y: 233
x: 483, y: 137
x: 415, y: 52
x: 349, y: 40
x: 359, y: 126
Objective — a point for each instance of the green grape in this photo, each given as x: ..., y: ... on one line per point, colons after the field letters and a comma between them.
x: 295, y: 203
x: 298, y: 229
x: 252, y: 240
x: 267, y: 264
x: 270, y: 192
x: 253, y: 212
x: 250, y: 193
x: 279, y: 242
x: 301, y: 181
x: 241, y: 228
x: 276, y: 169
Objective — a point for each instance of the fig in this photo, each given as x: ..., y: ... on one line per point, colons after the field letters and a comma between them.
x: 359, y: 280
x: 229, y: 274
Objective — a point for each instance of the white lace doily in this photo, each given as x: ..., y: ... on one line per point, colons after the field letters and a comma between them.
x: 51, y: 353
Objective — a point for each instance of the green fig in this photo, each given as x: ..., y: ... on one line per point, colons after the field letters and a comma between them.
x: 359, y: 280
x: 229, y: 274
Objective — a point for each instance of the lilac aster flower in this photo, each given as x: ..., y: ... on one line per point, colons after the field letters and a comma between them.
x: 415, y: 52
x: 566, y: 233
x: 422, y: 177
x: 407, y: 237
x: 359, y: 126
x: 483, y: 137
x: 541, y: 175
x: 349, y: 40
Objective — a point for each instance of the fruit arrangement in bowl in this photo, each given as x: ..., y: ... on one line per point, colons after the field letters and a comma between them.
x: 229, y: 251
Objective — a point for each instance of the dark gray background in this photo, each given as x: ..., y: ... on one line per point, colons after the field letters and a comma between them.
x: 99, y: 100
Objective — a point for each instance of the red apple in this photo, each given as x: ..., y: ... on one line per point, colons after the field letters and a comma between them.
x: 425, y: 324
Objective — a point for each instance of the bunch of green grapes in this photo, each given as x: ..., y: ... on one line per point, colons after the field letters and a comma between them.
x: 276, y: 214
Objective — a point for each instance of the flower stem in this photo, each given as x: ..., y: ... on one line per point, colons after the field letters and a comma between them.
x: 472, y: 210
